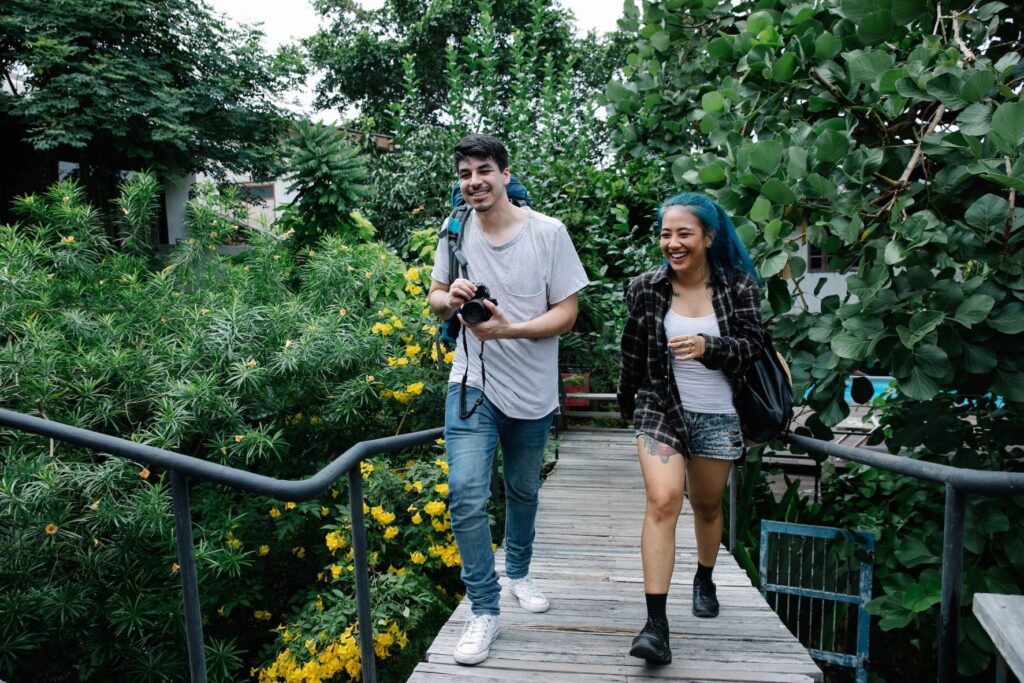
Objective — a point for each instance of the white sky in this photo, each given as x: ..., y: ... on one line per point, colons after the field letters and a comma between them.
x: 283, y: 22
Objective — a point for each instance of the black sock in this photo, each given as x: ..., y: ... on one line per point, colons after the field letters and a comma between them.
x: 656, y: 605
x: 704, y: 572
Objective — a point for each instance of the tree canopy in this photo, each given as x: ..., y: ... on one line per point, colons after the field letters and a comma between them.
x: 167, y: 85
x: 360, y: 53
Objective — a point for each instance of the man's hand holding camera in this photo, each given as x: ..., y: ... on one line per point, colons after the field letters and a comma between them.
x: 477, y: 310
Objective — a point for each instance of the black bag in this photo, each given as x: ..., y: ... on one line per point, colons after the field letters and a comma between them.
x: 765, y: 400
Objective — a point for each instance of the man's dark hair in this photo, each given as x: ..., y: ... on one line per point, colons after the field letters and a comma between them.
x: 481, y: 147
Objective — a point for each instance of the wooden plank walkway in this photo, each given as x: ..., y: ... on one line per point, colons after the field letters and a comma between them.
x: 587, y: 561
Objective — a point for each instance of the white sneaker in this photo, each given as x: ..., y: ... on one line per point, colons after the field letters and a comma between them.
x: 530, y: 597
x: 475, y: 643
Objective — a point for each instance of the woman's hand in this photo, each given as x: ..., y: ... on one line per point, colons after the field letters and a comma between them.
x: 687, y: 346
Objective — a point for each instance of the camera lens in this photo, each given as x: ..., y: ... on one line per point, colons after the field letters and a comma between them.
x: 474, y: 311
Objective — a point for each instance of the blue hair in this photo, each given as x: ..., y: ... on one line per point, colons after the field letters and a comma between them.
x: 726, y: 254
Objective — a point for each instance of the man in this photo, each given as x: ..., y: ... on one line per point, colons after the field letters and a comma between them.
x: 503, y: 382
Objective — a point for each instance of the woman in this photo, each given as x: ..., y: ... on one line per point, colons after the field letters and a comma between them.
x: 694, y: 327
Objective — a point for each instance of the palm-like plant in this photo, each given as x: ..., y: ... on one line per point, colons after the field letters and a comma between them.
x: 329, y: 180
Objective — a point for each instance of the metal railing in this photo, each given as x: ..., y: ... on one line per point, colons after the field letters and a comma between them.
x: 958, y: 482
x: 182, y: 467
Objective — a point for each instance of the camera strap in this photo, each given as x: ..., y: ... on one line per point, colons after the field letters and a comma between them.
x: 457, y: 263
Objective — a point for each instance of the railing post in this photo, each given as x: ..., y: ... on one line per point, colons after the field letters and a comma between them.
x: 189, y: 580
x: 952, y: 578
x: 733, y: 474
x: 355, y: 499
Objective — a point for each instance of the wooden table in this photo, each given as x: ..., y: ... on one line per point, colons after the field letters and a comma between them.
x: 1002, y: 617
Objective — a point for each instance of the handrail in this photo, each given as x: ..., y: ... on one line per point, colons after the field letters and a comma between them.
x: 958, y: 482
x: 182, y: 466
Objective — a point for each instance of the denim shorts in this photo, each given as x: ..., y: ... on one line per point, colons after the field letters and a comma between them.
x: 713, y: 435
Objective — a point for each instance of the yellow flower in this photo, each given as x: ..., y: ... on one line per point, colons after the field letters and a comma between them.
x: 239, y: 437
x: 70, y: 239
x: 365, y: 468
x: 289, y: 506
x: 370, y: 378
x: 299, y: 552
x: 442, y: 489
x: 336, y: 570
x: 319, y: 604
x: 390, y: 532
x: 287, y: 343
x: 449, y: 357
x: 342, y: 311
x: 51, y: 529
x: 416, y: 519
x: 368, y: 274
x: 443, y: 464
x: 418, y: 557
x: 382, y: 516
x: 415, y: 389
x: 335, y: 541
x: 414, y: 290
x: 411, y: 350
x: 366, y: 509
x: 275, y: 513
x: 234, y: 543
x: 403, y: 397
x: 261, y: 614
x: 396, y: 322
x: 435, y: 508
x: 264, y: 549
x: 204, y: 311
x: 439, y: 525
x: 252, y: 363
x: 412, y: 274
x: 324, y: 511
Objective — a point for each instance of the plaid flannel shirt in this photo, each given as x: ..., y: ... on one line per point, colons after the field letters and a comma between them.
x: 648, y: 394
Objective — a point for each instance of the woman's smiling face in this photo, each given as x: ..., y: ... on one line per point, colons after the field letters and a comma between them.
x: 683, y: 241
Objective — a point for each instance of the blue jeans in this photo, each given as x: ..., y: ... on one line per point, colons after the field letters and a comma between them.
x: 471, y: 445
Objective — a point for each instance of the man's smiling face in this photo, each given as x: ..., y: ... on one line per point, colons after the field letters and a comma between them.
x: 482, y: 183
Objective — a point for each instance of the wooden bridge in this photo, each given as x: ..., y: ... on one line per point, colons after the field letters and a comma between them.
x: 587, y: 561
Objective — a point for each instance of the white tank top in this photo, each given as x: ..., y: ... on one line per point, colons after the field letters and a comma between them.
x: 700, y: 389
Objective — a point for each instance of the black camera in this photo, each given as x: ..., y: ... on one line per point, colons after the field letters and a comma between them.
x: 474, y: 311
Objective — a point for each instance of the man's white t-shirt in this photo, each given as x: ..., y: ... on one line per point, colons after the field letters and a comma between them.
x: 537, y: 268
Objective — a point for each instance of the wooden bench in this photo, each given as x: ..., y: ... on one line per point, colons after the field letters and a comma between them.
x: 1002, y: 617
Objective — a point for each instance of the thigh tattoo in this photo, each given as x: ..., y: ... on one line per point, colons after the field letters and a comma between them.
x: 655, y: 447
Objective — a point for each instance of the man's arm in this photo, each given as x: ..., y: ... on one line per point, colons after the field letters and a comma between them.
x: 445, y: 299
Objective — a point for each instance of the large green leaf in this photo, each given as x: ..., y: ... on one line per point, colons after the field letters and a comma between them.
x: 974, y: 309
x: 975, y: 119
x: 876, y: 28
x: 912, y: 551
x: 978, y: 86
x: 987, y: 213
x: 919, y: 385
x: 765, y: 155
x: 778, y: 192
x: 932, y: 360
x: 831, y: 146
x: 1008, y: 383
x: 865, y: 67
x: 946, y: 88
x: 827, y: 46
x: 779, y: 296
x: 773, y: 264
x: 796, y: 167
x: 1008, y: 127
x: 712, y: 174
x: 918, y: 598
x: 909, y: 11
x: 712, y: 101
x: 783, y: 68
x: 848, y: 346
x: 858, y: 10
x: 761, y: 210
x: 977, y: 359
x: 1009, y: 319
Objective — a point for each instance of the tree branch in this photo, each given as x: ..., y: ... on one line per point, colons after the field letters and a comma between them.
x: 916, y: 156
x: 968, y: 55
x: 10, y: 82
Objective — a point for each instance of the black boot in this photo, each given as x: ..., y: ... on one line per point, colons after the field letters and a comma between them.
x: 705, y: 601
x: 652, y: 643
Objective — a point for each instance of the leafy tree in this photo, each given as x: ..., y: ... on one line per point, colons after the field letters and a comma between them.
x: 327, y: 175
x: 887, y: 133
x: 360, y: 52
x: 134, y: 83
